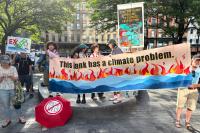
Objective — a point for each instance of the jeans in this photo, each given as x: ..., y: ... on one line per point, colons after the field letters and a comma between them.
x: 5, y: 101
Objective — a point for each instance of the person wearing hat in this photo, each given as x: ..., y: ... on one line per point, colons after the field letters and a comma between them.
x: 189, y: 95
x: 8, y: 75
x: 114, y: 51
x: 80, y: 52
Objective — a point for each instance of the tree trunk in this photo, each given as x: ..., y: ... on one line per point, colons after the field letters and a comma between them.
x: 180, y: 32
x: 3, y: 44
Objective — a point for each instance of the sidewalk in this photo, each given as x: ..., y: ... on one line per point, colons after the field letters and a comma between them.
x: 129, y: 117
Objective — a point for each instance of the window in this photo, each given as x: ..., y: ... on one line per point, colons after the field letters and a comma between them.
x: 102, y: 38
x: 191, y: 31
x: 78, y: 38
x: 84, y: 16
x: 78, y: 6
x: 153, y: 33
x: 65, y: 38
x: 153, y: 21
x: 77, y: 16
x: 197, y: 41
x: 190, y: 41
x: 78, y: 26
x: 47, y: 37
x: 108, y: 37
x: 53, y: 38
x: 83, y: 5
x: 72, y: 37
x: 59, y: 38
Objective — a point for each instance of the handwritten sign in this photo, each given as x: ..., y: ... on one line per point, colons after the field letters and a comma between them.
x: 18, y: 44
x: 130, y: 26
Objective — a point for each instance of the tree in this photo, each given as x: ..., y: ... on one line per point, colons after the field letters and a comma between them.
x: 104, y: 16
x: 33, y: 15
x: 181, y: 12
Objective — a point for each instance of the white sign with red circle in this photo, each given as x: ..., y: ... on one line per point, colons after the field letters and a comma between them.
x: 53, y: 107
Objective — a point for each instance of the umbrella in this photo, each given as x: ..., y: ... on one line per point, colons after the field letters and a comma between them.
x: 53, y: 112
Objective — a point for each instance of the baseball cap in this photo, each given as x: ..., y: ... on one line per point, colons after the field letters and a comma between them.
x: 5, y: 59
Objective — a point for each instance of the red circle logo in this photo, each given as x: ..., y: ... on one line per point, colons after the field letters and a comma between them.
x: 53, y: 107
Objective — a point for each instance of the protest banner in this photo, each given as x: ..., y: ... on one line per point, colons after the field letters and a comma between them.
x: 130, y: 26
x: 158, y: 68
x: 18, y: 44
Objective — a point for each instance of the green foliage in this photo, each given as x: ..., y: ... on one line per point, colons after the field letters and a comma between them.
x: 33, y: 16
x: 104, y: 16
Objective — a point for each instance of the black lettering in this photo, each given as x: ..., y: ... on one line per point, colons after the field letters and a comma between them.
x: 124, y: 61
x: 110, y: 63
x: 89, y: 64
x: 152, y: 56
x: 167, y: 55
x: 160, y: 56
x: 61, y: 63
x: 138, y: 59
x: 147, y: 58
x: 103, y: 63
x: 98, y: 64
x: 131, y: 60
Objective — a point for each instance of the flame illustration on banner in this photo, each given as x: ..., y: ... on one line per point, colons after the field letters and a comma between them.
x: 149, y: 69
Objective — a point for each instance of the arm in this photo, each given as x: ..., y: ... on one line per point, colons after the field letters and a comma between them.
x: 30, y: 66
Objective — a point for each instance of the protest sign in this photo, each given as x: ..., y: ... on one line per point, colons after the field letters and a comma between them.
x: 18, y: 44
x: 149, y: 69
x: 130, y: 25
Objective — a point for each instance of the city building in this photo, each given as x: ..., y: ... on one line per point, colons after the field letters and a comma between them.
x: 193, y: 38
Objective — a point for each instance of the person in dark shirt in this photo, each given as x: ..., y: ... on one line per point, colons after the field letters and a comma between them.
x: 25, y: 72
x: 114, y: 51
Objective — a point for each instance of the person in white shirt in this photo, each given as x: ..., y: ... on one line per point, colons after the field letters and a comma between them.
x: 96, y: 53
x: 8, y: 75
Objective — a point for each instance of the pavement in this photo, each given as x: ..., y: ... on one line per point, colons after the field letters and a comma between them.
x: 155, y: 114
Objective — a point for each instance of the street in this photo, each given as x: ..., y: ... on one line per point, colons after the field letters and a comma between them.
x: 129, y: 117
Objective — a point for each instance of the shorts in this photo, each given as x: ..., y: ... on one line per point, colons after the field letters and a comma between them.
x: 26, y: 79
x: 187, y: 97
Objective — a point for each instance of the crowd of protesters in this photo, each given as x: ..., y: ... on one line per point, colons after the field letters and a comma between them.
x: 20, y: 67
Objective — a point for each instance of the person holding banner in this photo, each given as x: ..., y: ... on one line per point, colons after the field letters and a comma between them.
x: 80, y: 52
x: 115, y: 50
x: 189, y: 95
x: 96, y: 53
x: 8, y: 75
x: 51, y: 52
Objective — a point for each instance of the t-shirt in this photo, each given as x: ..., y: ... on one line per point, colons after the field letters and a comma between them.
x: 196, y: 76
x: 7, y: 83
x: 23, y: 65
x: 116, y: 50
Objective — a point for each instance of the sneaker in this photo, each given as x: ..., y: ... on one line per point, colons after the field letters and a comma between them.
x: 94, y: 98
x: 22, y: 120
x: 6, y: 123
x: 44, y: 129
x: 113, y: 98
x: 118, y: 100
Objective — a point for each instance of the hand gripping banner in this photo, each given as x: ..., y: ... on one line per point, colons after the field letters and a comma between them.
x: 161, y: 68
